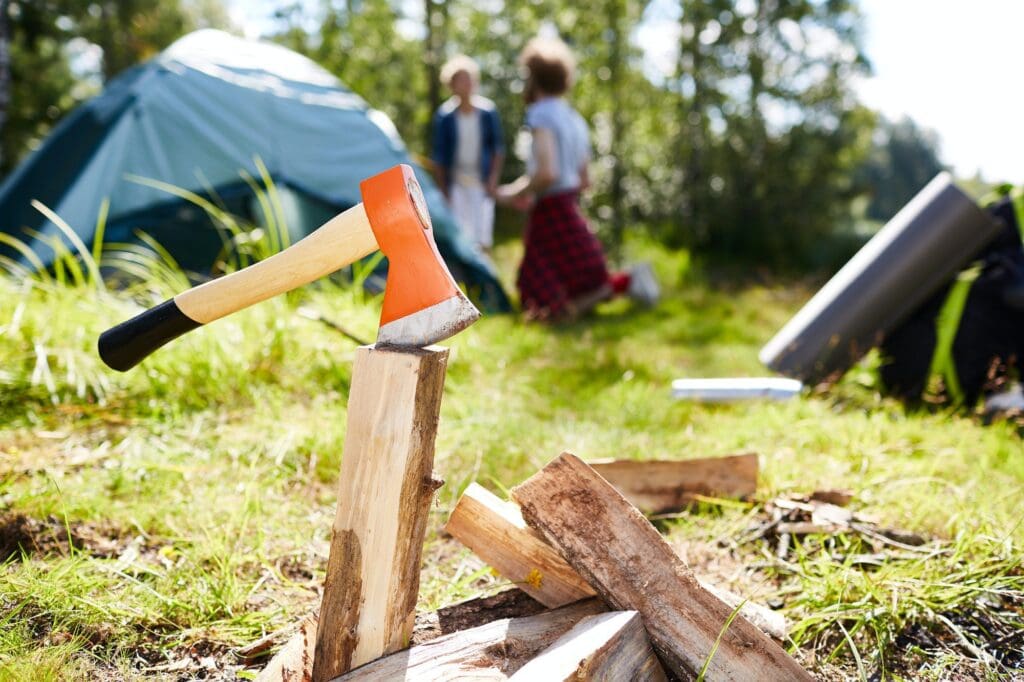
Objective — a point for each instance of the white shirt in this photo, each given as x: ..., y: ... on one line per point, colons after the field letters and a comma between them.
x: 572, y: 140
x: 467, y: 148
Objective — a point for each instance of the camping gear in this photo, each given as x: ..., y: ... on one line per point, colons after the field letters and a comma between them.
x: 207, y: 116
x: 726, y: 390
x: 911, y: 257
x: 967, y: 337
x: 422, y: 304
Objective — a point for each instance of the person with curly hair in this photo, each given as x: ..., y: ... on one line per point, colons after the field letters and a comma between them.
x: 564, y: 272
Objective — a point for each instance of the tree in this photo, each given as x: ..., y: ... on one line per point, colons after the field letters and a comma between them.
x: 773, y: 132
x: 40, y: 88
x: 903, y: 158
x: 359, y: 41
x: 435, y: 19
x: 5, y: 68
x: 39, y: 37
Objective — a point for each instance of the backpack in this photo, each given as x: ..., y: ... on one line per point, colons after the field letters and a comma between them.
x: 968, y: 338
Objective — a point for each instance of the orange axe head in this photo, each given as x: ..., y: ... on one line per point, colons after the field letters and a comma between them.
x: 422, y: 303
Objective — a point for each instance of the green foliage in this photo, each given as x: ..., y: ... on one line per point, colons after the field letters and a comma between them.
x: 768, y: 130
x: 359, y: 42
x: 47, y: 36
x: 747, y: 150
x: 903, y: 158
x: 42, y: 88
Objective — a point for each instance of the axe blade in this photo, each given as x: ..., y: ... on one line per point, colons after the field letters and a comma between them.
x: 430, y: 325
x: 422, y: 302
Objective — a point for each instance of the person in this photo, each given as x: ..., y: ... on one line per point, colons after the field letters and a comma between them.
x: 564, y: 272
x: 468, y: 151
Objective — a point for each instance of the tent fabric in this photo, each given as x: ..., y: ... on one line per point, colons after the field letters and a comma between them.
x: 198, y: 116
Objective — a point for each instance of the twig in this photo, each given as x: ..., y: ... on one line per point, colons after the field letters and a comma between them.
x: 979, y: 654
x: 263, y: 644
x: 311, y: 314
x: 876, y: 535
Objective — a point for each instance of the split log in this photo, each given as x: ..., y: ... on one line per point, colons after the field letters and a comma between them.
x: 294, y: 662
x: 610, y: 543
x: 385, y: 491
x: 494, y: 529
x: 608, y: 646
x: 511, y: 603
x: 660, y: 486
x: 490, y: 652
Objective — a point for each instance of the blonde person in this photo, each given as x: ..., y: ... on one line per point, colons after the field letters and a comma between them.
x: 564, y: 272
x: 468, y: 151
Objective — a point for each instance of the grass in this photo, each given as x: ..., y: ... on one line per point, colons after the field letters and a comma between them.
x: 198, y: 490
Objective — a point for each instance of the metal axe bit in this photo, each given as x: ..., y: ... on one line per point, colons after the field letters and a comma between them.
x: 422, y: 303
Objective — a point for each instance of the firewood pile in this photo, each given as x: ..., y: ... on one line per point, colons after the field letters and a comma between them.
x: 601, y: 595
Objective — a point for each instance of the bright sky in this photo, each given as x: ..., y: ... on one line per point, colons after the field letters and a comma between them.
x: 951, y: 65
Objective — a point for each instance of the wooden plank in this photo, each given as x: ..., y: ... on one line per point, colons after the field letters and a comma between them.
x: 610, y: 543
x: 384, y: 496
x: 494, y: 529
x: 490, y: 652
x: 660, y: 486
x: 608, y: 646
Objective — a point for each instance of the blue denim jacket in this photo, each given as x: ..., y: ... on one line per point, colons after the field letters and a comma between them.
x: 446, y: 132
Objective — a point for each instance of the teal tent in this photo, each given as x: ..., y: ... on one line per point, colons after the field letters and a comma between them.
x: 198, y: 116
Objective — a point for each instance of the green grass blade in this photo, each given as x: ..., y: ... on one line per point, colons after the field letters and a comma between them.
x: 72, y: 236
x: 284, y: 237
x: 99, y: 235
x: 718, y: 641
x: 25, y: 250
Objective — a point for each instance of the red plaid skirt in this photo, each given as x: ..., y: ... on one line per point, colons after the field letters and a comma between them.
x: 563, y: 259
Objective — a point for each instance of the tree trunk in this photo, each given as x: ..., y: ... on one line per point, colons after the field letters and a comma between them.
x: 436, y: 18
x: 615, y: 60
x: 5, y: 69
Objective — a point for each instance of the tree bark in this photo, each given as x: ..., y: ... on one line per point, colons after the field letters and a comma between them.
x: 5, y: 69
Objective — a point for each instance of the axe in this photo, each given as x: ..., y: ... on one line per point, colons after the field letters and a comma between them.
x: 422, y: 303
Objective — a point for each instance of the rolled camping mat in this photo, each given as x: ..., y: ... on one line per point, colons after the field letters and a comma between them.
x: 922, y: 248
x: 734, y: 389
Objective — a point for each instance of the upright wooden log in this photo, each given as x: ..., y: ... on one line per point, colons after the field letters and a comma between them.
x: 608, y: 646
x: 489, y: 652
x: 384, y: 496
x: 658, y: 486
x: 610, y: 543
x: 494, y: 529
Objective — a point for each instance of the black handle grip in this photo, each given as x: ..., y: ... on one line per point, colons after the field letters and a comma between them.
x: 126, y: 345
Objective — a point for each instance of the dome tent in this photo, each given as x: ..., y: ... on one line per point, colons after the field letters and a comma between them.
x: 197, y: 117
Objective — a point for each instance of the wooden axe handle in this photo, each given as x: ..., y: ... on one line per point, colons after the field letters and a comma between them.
x: 340, y: 241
